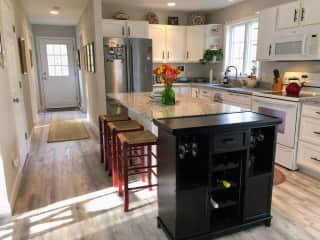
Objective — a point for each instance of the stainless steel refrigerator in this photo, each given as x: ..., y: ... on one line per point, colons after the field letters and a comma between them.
x: 128, y: 65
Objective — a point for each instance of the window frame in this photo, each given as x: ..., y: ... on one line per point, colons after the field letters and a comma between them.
x: 228, y: 45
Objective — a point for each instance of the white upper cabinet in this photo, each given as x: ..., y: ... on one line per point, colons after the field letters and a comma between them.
x: 158, y: 35
x: 195, y: 36
x: 310, y: 12
x: 288, y: 15
x: 113, y: 28
x: 120, y: 28
x: 175, y: 36
x: 137, y: 29
x: 267, y: 23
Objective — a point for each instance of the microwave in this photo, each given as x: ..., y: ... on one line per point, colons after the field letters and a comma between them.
x: 297, y: 47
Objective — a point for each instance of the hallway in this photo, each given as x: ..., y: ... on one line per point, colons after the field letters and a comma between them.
x: 66, y: 194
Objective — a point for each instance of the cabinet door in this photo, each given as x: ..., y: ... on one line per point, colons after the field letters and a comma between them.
x: 113, y: 28
x: 310, y: 12
x: 175, y: 36
x: 195, y: 43
x: 158, y: 35
x: 267, y: 22
x: 288, y: 15
x: 137, y: 29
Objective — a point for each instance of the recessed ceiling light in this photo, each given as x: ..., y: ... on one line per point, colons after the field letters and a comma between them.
x: 54, y: 11
x: 171, y: 4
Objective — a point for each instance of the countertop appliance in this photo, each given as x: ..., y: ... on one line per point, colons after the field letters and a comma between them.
x: 128, y: 65
x: 287, y: 108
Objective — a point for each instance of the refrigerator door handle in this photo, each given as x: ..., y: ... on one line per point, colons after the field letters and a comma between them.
x: 130, y: 68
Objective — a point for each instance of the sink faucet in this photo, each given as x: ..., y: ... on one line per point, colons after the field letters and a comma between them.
x: 228, y: 70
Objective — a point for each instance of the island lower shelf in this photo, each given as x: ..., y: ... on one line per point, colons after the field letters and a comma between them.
x: 215, y: 174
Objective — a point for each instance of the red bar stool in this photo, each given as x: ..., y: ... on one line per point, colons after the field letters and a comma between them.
x: 103, y: 120
x: 129, y: 144
x: 114, y: 128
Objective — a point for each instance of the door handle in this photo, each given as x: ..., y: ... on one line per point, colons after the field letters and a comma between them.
x: 16, y: 100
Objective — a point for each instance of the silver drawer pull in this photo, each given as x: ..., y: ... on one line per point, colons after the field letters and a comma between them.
x: 318, y: 133
x: 318, y: 113
x: 315, y: 159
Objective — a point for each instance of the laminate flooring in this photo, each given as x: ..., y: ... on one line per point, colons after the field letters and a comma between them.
x: 66, y: 194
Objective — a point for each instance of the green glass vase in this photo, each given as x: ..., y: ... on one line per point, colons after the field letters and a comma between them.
x: 168, y: 96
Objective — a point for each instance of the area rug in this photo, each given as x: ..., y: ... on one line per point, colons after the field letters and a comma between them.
x: 67, y: 130
x: 279, y: 177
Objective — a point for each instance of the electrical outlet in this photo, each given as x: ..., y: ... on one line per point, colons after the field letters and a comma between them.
x: 15, y: 163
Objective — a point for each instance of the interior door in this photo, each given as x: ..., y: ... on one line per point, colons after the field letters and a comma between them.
x: 176, y: 44
x: 310, y: 12
x: 13, y: 68
x: 158, y: 35
x: 58, y: 74
x: 288, y: 15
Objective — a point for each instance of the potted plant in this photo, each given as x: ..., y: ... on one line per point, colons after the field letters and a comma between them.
x: 169, y: 74
x: 212, y: 55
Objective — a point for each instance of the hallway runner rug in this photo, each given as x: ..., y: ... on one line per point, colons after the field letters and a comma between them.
x: 67, y: 130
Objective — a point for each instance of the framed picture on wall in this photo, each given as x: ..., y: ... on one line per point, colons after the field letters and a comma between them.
x: 85, y: 59
x: 92, y: 57
x: 173, y: 20
x: 22, y: 53
x: 79, y: 59
x: 1, y: 52
x: 88, y: 58
x: 31, y: 57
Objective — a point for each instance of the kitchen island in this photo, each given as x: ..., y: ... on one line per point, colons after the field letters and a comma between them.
x: 216, y: 164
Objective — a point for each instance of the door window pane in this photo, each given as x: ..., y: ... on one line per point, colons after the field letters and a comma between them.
x: 57, y: 57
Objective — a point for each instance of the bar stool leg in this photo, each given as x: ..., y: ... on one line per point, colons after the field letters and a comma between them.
x: 114, y: 159
x: 142, y: 164
x: 120, y: 155
x: 126, y: 150
x: 149, y: 163
x: 102, y: 142
x: 106, y: 148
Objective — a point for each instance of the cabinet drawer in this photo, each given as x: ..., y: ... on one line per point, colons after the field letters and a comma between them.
x: 309, y: 156
x: 310, y: 130
x: 311, y: 111
x: 229, y: 141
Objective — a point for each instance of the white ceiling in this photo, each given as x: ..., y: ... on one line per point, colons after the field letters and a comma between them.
x: 181, y: 5
x: 38, y: 11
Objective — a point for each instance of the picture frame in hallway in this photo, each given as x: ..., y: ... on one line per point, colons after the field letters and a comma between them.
x: 22, y: 54
x: 88, y: 58
x: 85, y: 60
x: 1, y: 52
x: 92, y: 57
x: 31, y: 57
x: 79, y: 59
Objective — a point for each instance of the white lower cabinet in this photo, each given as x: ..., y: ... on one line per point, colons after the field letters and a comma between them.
x: 309, y: 140
x: 237, y: 99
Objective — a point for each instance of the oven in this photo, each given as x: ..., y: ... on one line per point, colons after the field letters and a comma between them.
x: 288, y: 112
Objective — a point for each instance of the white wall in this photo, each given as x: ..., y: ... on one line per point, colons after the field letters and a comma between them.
x: 10, y: 175
x: 90, y: 30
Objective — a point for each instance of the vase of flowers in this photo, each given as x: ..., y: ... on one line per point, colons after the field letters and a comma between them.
x: 169, y: 74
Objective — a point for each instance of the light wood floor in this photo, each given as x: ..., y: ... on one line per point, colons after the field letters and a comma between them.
x: 66, y: 194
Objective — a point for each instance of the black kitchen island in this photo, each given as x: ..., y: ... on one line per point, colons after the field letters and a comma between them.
x: 215, y: 173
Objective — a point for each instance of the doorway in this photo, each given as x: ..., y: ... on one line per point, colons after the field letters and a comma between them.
x: 58, y: 79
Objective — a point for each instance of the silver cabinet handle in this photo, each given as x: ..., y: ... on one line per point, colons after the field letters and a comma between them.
x: 163, y: 55
x: 318, y: 133
x: 168, y: 55
x: 270, y: 49
x: 187, y: 54
x: 295, y: 18
x: 16, y: 100
x: 302, y: 14
x: 315, y: 159
x: 129, y: 31
x: 123, y: 31
x: 318, y: 113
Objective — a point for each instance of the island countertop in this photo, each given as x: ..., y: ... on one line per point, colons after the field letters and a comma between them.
x: 142, y: 103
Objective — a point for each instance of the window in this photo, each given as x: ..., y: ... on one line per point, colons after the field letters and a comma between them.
x: 242, y: 40
x: 57, y: 55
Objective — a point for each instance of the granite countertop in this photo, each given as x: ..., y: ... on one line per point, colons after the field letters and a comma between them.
x: 142, y: 103
x: 242, y: 90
